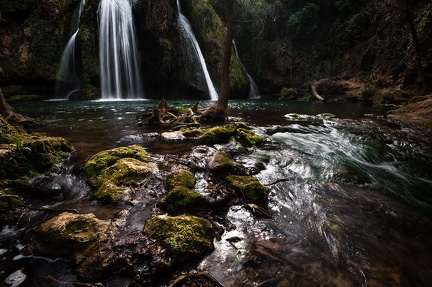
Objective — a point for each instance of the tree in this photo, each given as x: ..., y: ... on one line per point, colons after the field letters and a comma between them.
x: 8, y: 113
x: 219, y: 109
x: 405, y: 9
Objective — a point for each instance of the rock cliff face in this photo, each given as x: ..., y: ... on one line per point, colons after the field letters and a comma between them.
x: 33, y: 35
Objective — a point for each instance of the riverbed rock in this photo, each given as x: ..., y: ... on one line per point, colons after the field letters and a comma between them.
x: 180, y: 177
x: 237, y: 131
x: 249, y: 188
x: 220, y: 165
x: 114, y: 172
x: 186, y: 237
x: 26, y: 155
x: 183, y: 200
x: 76, y: 236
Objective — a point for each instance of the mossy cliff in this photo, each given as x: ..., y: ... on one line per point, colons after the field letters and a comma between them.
x: 33, y: 34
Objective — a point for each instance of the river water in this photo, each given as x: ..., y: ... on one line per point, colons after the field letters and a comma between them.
x: 350, y: 196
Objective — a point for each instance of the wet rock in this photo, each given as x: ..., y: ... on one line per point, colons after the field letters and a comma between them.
x: 114, y: 172
x: 180, y: 177
x: 249, y: 188
x: 76, y: 236
x: 186, y: 237
x: 172, y: 136
x: 27, y: 155
x: 220, y: 166
x: 238, y: 131
x: 181, y: 199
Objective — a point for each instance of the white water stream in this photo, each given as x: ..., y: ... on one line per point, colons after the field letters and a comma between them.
x: 68, y: 80
x: 187, y: 28
x: 118, y: 53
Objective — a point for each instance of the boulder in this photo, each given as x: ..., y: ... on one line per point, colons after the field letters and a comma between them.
x: 114, y: 172
x: 249, y: 188
x: 75, y: 236
x: 186, y: 237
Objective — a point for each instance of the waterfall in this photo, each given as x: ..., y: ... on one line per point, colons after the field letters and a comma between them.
x: 185, y: 25
x: 118, y: 54
x: 253, y: 91
x: 68, y: 81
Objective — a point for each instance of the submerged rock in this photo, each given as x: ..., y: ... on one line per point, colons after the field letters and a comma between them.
x: 186, y: 237
x: 114, y: 171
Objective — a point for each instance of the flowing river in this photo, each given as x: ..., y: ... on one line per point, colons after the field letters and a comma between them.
x: 350, y: 196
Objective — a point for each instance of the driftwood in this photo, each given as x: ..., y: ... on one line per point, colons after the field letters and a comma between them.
x: 314, y: 91
x: 165, y: 116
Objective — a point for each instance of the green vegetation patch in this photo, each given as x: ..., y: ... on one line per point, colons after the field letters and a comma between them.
x: 186, y: 237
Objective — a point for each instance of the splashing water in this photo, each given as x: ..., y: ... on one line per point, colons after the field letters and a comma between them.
x: 68, y: 81
x: 118, y: 53
x: 253, y: 91
x: 185, y: 25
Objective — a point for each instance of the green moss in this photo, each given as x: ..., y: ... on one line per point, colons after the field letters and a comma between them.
x: 239, y: 131
x: 104, y: 159
x: 183, y: 200
x: 180, y: 177
x: 114, y: 171
x: 185, y: 236
x: 220, y: 165
x: 288, y: 94
x: 248, y: 137
x: 68, y: 234
x: 249, y: 188
x: 27, y: 155
x: 111, y: 192
x: 367, y: 95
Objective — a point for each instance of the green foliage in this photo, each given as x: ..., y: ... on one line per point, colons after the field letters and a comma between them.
x: 367, y: 95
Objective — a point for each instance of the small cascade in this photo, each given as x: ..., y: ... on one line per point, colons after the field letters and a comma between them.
x: 118, y: 53
x: 186, y: 27
x: 68, y: 81
x: 253, y: 91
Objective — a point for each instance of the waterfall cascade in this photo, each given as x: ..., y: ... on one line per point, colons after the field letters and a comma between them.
x: 118, y: 53
x: 186, y: 27
x: 68, y: 80
x: 253, y: 91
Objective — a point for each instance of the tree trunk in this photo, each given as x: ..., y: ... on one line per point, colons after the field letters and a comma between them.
x: 5, y: 110
x: 416, y: 46
x: 8, y: 113
x: 219, y: 109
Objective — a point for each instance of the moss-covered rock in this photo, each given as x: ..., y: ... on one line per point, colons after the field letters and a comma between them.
x: 181, y: 199
x: 26, y: 155
x: 113, y: 172
x: 220, y: 165
x: 249, y: 188
x: 180, y: 177
x: 76, y: 236
x: 69, y: 234
x: 104, y: 159
x: 186, y: 237
x: 238, y: 131
x: 248, y: 137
